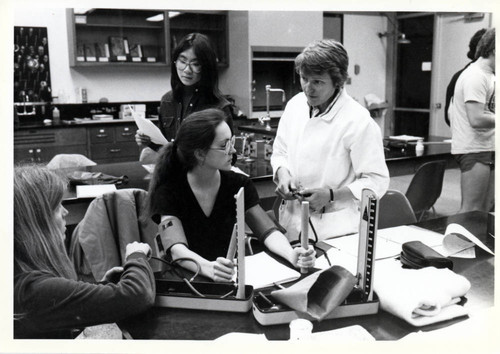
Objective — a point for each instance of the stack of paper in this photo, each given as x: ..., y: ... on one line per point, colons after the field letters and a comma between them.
x: 262, y: 270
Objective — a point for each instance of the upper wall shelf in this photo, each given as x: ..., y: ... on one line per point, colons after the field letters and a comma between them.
x: 124, y: 37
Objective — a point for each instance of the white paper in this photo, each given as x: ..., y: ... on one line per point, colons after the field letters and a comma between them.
x: 262, y: 270
x: 149, y: 128
x: 149, y: 167
x: 94, y: 190
x: 459, y: 242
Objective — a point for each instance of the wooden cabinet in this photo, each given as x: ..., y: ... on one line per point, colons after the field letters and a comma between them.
x: 113, y: 143
x: 213, y: 24
x: 100, y: 143
x: 41, y: 145
x: 118, y: 37
x: 144, y: 37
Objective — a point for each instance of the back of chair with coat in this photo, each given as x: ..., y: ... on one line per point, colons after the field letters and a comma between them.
x: 110, y: 223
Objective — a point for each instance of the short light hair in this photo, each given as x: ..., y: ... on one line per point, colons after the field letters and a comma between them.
x: 486, y: 45
x: 324, y: 56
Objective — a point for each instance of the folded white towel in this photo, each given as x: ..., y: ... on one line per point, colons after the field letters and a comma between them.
x: 419, y: 296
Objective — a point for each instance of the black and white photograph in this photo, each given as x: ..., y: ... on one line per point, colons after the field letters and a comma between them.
x: 198, y: 177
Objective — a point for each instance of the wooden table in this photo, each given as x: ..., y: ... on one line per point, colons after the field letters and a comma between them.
x: 169, y: 323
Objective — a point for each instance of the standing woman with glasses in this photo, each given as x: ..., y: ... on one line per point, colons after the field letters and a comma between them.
x: 191, y: 197
x: 194, y: 81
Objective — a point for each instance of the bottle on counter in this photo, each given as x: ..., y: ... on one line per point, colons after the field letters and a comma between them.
x: 419, y: 148
x: 56, y: 116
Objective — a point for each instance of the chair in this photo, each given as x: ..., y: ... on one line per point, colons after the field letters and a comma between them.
x: 111, y: 222
x: 425, y: 187
x: 395, y: 210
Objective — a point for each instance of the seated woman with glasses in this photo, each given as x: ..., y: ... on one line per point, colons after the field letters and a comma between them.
x: 49, y: 301
x: 194, y: 81
x: 191, y: 197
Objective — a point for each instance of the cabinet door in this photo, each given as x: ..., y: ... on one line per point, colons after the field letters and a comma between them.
x: 125, y: 133
x: 101, y: 135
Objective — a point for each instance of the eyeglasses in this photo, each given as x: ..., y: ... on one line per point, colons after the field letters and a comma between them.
x: 227, y: 147
x: 182, y: 65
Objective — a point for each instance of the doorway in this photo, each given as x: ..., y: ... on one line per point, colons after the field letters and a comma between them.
x: 413, y: 75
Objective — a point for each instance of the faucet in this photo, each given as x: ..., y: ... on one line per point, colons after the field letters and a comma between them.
x: 267, y: 118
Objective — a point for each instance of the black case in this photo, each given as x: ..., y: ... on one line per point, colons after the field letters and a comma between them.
x: 416, y: 254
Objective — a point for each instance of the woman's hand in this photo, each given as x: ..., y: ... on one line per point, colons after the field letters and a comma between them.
x: 304, y: 258
x: 222, y: 269
x: 286, y: 185
x: 142, y: 139
x: 137, y: 247
x: 112, y: 275
x: 317, y: 198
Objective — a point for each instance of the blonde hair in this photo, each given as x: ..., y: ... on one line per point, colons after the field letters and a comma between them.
x: 38, y: 243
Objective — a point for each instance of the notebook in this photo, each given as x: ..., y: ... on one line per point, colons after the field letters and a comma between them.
x: 262, y: 270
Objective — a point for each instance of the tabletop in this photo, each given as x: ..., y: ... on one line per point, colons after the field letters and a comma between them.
x: 171, y: 323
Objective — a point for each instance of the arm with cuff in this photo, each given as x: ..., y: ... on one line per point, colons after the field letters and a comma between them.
x: 173, y: 238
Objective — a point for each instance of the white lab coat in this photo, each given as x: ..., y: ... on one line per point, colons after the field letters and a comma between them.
x: 341, y: 148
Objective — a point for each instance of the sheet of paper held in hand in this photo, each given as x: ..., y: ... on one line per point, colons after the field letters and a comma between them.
x: 149, y: 128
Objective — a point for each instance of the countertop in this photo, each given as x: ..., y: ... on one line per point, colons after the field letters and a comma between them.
x: 76, y: 123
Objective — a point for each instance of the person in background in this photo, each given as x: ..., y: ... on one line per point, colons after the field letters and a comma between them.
x: 451, y: 86
x: 472, y: 118
x: 327, y: 148
x: 49, y: 302
x: 194, y: 81
x: 191, y: 197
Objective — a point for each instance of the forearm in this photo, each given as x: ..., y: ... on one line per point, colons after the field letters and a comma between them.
x: 278, y: 244
x: 181, y: 251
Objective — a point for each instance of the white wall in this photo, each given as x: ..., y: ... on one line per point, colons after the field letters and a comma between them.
x: 368, y: 51
x: 116, y: 84
x: 285, y: 28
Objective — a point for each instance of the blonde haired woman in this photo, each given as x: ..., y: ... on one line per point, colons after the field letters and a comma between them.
x: 49, y: 302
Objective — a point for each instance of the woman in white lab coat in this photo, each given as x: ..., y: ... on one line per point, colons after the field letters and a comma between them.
x: 327, y: 148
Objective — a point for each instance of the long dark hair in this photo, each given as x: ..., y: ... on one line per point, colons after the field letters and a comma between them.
x: 205, y: 53
x: 38, y: 243
x: 197, y: 132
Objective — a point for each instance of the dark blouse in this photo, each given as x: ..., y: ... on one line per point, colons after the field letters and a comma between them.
x: 207, y: 236
x: 171, y: 111
x: 46, y: 306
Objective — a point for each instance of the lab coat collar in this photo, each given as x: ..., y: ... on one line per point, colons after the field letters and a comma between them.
x: 337, y: 105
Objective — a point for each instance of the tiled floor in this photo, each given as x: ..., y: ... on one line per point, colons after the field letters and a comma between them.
x: 449, y: 201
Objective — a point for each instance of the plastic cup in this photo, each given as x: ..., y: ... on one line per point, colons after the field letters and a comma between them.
x: 301, y: 329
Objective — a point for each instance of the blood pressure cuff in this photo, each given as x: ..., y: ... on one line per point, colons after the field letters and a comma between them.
x: 171, y: 232
x: 416, y: 255
x: 319, y: 293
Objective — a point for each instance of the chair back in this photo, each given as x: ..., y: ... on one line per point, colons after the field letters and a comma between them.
x: 111, y: 222
x: 395, y: 210
x: 426, y: 186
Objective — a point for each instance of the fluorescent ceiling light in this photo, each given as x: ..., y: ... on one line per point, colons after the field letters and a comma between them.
x: 155, y: 18
x: 82, y: 11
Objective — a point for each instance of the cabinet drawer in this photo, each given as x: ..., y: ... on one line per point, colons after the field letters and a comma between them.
x: 101, y: 135
x: 46, y: 153
x: 120, y: 149
x: 125, y: 133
